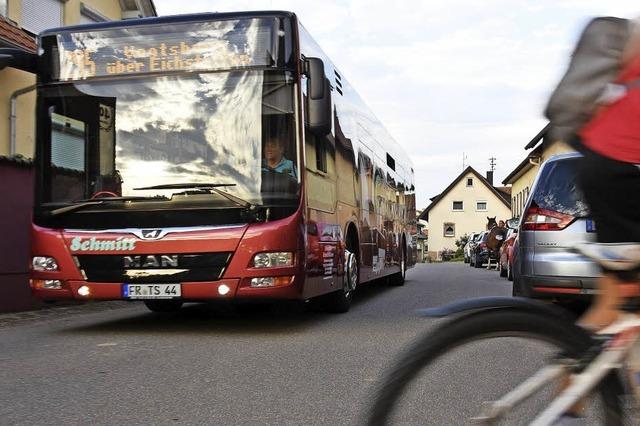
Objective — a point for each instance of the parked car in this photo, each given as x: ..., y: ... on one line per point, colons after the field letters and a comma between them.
x: 472, y: 247
x: 481, y: 252
x: 467, y: 247
x: 555, y: 218
x: 506, y: 254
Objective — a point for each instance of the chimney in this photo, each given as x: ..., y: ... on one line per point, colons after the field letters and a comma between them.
x: 490, y: 177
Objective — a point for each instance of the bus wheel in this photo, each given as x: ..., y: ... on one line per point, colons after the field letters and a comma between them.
x: 163, y: 306
x: 340, y: 301
x: 398, y: 278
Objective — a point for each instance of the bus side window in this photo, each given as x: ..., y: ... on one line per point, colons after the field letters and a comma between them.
x: 321, y: 154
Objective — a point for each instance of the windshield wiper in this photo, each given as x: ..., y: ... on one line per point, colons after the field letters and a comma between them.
x: 81, y: 204
x: 185, y: 186
x: 209, y: 187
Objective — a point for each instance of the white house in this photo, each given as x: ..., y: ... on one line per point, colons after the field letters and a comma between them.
x: 462, y: 208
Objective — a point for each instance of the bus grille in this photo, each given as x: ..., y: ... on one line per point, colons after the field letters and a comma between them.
x: 154, y: 268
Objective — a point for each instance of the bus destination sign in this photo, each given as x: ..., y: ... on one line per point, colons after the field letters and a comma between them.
x: 204, y: 47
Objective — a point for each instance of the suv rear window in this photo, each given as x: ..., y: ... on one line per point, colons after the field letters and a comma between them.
x: 557, y: 189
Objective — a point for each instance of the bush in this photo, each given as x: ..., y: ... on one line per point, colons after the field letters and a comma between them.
x: 447, y: 254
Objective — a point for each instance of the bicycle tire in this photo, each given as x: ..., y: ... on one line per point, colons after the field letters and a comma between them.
x: 483, y: 325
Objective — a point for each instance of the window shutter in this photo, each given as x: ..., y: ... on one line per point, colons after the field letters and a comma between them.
x: 67, y: 143
x: 39, y: 15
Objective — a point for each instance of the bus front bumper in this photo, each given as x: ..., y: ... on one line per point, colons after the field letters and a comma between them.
x: 190, y: 291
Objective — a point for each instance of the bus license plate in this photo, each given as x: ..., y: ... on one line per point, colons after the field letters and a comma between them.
x: 151, y: 291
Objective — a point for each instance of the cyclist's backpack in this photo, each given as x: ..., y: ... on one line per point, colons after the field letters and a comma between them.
x: 595, y: 64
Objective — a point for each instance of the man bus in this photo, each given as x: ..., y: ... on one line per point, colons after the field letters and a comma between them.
x: 156, y: 169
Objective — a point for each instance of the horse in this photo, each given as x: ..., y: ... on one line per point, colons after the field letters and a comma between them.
x: 496, y: 236
x: 491, y: 223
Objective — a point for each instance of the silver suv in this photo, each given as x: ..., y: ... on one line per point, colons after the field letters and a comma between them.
x: 555, y: 218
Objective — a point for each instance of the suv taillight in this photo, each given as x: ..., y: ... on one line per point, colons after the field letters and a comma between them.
x: 537, y: 219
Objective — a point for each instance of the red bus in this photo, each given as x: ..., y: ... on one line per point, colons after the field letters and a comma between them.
x: 211, y: 156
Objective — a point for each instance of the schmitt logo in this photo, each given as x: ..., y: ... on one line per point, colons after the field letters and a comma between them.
x: 94, y: 244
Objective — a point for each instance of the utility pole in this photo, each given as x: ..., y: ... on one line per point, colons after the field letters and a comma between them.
x: 464, y: 161
x: 492, y: 163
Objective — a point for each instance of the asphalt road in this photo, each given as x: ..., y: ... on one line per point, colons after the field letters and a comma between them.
x: 116, y: 363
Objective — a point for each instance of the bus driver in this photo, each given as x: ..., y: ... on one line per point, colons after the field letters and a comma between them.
x: 274, y: 159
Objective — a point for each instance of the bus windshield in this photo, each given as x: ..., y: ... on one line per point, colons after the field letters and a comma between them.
x: 112, y: 138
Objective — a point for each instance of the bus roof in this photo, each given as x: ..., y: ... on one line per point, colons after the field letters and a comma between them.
x: 170, y: 19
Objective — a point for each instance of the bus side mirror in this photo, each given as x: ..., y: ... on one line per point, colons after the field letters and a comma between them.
x: 19, y: 59
x: 318, y: 98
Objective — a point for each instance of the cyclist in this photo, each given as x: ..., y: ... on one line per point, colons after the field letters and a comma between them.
x: 610, y: 179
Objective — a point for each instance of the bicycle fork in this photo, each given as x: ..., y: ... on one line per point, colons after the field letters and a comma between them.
x: 608, y: 357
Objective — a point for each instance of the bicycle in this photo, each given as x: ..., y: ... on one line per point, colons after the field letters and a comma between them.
x: 581, y: 369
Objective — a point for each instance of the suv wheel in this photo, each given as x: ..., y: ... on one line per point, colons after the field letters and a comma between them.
x: 518, y: 288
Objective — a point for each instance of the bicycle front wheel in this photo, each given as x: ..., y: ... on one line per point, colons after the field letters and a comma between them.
x: 450, y: 375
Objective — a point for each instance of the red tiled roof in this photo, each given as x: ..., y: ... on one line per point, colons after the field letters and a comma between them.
x: 14, y: 35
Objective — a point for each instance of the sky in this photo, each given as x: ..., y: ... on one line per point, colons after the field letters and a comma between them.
x: 448, y: 79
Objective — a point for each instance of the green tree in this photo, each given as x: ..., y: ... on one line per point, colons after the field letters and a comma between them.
x: 462, y: 241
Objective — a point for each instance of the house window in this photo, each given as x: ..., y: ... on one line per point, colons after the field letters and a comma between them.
x: 39, y: 15
x: 449, y: 229
x: 458, y: 206
x: 481, y: 206
x: 469, y: 181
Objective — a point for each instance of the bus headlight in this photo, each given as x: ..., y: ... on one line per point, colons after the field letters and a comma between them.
x: 46, y: 284
x: 271, y: 281
x: 273, y: 260
x: 44, y: 263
